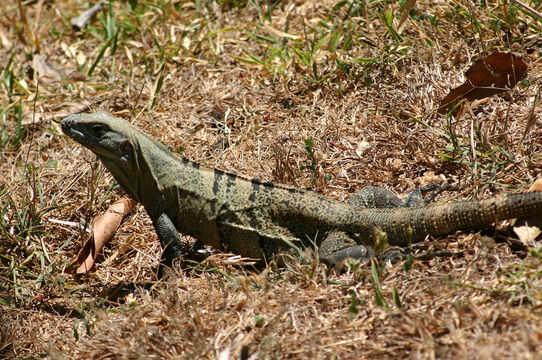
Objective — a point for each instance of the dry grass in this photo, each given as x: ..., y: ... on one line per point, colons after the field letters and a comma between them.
x: 219, y: 82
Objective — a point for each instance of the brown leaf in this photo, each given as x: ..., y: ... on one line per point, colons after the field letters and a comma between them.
x: 103, y: 229
x: 491, y: 75
x: 529, y: 228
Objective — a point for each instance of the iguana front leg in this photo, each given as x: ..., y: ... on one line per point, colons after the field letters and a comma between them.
x: 169, y: 238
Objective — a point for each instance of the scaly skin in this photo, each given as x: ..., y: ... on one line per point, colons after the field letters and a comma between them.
x: 253, y: 218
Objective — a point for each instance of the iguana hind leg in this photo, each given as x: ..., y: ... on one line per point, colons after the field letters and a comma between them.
x: 377, y: 197
x: 339, y: 245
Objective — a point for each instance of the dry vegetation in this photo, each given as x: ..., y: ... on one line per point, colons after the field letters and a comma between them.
x: 330, y: 95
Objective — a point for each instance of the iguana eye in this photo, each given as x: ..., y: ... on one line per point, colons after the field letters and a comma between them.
x: 98, y: 129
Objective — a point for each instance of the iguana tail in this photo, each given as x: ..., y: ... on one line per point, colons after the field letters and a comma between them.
x: 409, y: 225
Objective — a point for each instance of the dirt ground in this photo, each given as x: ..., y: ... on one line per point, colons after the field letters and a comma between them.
x: 325, y: 95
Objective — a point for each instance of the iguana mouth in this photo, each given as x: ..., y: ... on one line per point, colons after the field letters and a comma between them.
x: 69, y: 127
x: 76, y: 134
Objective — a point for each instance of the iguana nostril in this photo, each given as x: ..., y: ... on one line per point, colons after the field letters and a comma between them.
x: 68, y: 122
x: 65, y: 124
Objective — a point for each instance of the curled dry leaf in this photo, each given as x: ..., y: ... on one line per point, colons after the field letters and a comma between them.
x: 57, y: 111
x: 103, y: 229
x: 491, y: 75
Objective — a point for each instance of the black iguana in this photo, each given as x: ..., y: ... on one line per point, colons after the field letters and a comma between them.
x: 258, y: 219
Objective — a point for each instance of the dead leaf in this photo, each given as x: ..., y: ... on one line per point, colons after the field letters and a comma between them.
x: 44, y: 70
x: 103, y: 229
x: 409, y: 4
x: 362, y: 147
x: 529, y: 228
x: 4, y: 40
x: 491, y: 75
x: 396, y: 165
x: 536, y: 186
x: 57, y: 111
x: 80, y: 22
x: 528, y: 231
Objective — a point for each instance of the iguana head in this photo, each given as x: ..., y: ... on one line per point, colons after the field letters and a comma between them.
x: 135, y: 159
x: 105, y: 135
x: 114, y: 140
